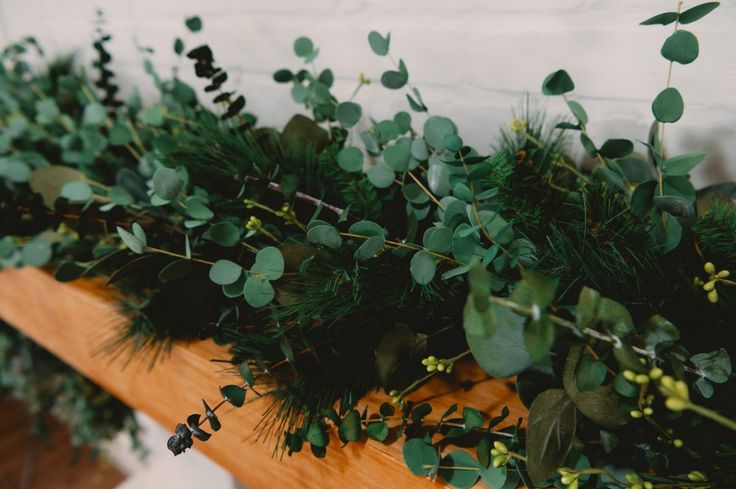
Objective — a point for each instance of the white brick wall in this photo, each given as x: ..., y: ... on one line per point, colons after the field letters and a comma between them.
x: 472, y: 59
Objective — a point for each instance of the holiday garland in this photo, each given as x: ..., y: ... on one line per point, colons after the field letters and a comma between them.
x: 342, y: 254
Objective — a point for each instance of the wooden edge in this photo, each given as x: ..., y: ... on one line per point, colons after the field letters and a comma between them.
x: 74, y: 320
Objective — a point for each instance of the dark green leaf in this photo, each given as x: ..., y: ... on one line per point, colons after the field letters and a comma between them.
x: 681, y: 47
x: 194, y: 23
x: 668, y: 106
x: 698, y: 12
x: 675, y: 205
x: 460, y: 479
x: 225, y: 233
x: 665, y: 18
x: 377, y: 430
x: 348, y: 114
x: 350, y: 429
x: 175, y: 270
x: 234, y: 394
x: 599, y: 404
x: 642, y: 199
x: 557, y: 83
x: 326, y: 235
x: 418, y: 455
x: 617, y: 148
x: 550, y: 432
x: 659, y: 330
x: 393, y: 79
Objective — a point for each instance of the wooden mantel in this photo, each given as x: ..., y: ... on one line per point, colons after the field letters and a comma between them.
x: 73, y: 320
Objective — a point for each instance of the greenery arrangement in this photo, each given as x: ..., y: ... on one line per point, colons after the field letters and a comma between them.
x: 47, y: 386
x: 343, y: 254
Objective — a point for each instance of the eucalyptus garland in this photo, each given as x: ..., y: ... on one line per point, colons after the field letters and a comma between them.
x: 343, y: 253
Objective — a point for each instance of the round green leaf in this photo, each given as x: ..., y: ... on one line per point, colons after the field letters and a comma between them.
x: 283, y: 76
x: 36, y: 253
x: 348, y: 114
x: 616, y: 148
x: 94, y: 114
x: 270, y: 263
x: 194, y: 23
x: 197, y: 210
x: 422, y: 267
x: 440, y: 241
x: 350, y: 159
x: 504, y: 353
x: 225, y: 272
x: 258, y: 292
x: 681, y: 47
x: 397, y: 156
x: 378, y: 43
x: 668, y: 106
x: 76, y: 191
x: 393, y: 79
x: 557, y: 83
x: 369, y: 248
x: 452, y: 142
x: 380, y: 175
x: 418, y: 455
x: 325, y: 234
x: 461, y: 479
x: 436, y: 128
x: 225, y: 233
x: 493, y: 477
x: 414, y: 194
x: 303, y: 46
x: 167, y: 184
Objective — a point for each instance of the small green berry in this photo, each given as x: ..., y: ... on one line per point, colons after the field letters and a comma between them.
x: 678, y: 443
x: 709, y: 268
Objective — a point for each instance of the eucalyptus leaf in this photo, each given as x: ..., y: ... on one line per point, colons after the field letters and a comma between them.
x: 668, y: 106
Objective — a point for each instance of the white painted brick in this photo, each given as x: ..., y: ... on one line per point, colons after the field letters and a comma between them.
x: 473, y: 59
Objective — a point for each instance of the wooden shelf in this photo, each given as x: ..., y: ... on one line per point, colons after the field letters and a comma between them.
x: 74, y: 320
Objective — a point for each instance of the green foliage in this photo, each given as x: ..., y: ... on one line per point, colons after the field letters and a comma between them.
x: 333, y: 280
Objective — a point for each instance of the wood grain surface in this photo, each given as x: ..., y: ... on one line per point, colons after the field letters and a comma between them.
x: 74, y: 320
